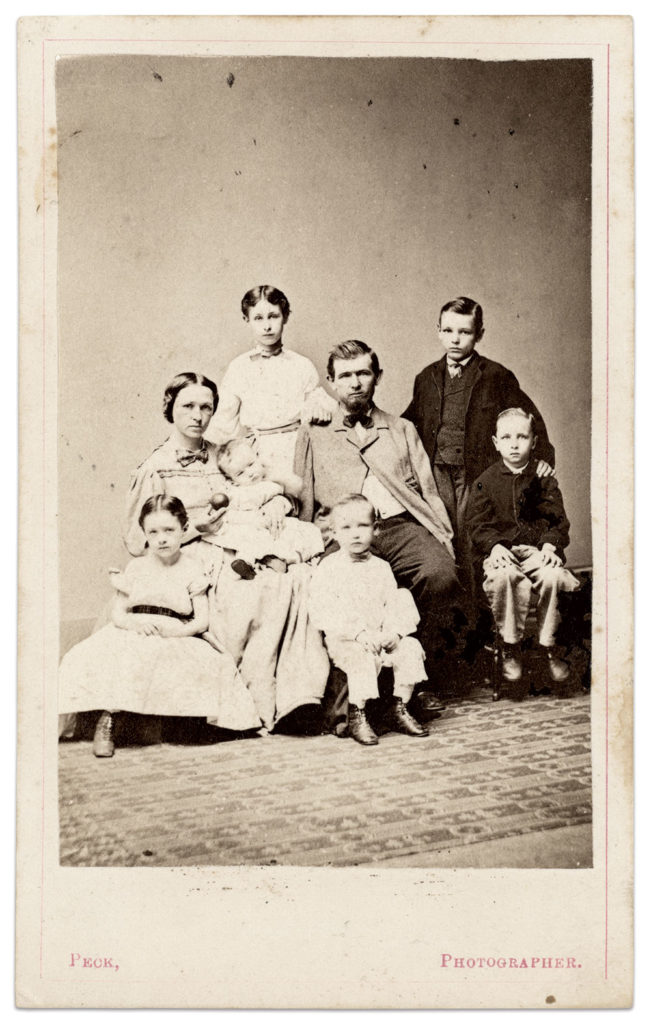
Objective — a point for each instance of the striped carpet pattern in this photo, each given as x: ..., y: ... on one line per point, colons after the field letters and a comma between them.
x: 487, y: 770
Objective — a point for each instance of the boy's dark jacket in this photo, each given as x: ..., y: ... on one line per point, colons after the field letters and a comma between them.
x: 516, y: 508
x: 494, y: 390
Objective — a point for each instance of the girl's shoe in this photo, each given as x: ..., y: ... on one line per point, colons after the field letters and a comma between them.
x: 103, y: 743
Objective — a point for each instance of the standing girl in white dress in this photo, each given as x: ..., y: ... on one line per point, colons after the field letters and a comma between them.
x: 151, y: 659
x: 269, y: 390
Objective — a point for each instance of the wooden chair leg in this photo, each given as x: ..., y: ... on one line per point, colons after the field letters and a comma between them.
x: 497, y: 675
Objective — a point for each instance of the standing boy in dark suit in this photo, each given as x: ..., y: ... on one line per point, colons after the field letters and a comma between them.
x: 454, y: 407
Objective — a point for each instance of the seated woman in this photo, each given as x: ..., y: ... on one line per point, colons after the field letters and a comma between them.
x: 262, y: 623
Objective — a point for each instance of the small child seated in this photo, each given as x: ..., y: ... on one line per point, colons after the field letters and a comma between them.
x: 366, y: 620
x: 518, y: 526
x: 244, y: 527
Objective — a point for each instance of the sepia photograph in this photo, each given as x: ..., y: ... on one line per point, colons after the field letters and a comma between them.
x: 324, y: 504
x: 418, y: 214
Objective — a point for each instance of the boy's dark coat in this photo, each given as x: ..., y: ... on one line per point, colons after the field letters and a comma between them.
x: 495, y: 389
x: 516, y: 508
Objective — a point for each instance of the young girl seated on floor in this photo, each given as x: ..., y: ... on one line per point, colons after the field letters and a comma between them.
x: 156, y: 657
x: 244, y: 528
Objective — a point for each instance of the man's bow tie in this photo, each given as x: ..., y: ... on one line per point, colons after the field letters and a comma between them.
x: 455, y: 371
x: 186, y: 458
x: 362, y: 418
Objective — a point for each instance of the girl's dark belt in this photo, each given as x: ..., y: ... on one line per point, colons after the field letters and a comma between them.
x: 153, y: 609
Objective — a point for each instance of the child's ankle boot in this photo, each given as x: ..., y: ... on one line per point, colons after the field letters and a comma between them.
x: 103, y: 743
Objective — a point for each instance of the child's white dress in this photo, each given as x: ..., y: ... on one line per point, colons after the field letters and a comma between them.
x: 121, y: 670
x: 244, y: 529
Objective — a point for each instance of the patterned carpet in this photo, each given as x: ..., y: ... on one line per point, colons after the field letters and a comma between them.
x: 487, y: 770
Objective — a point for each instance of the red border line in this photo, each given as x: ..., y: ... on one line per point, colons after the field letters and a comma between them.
x: 607, y: 471
x: 43, y: 541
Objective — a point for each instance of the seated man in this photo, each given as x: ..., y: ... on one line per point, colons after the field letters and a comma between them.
x: 367, y: 451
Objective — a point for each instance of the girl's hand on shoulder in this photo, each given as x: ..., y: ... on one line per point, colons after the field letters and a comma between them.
x: 318, y: 407
x: 544, y: 469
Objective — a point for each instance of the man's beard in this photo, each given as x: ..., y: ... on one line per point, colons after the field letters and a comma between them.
x: 358, y: 403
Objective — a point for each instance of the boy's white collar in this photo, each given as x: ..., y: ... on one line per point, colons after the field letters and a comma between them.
x: 461, y: 362
x: 516, y: 472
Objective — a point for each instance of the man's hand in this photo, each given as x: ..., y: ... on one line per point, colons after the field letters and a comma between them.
x: 544, y: 469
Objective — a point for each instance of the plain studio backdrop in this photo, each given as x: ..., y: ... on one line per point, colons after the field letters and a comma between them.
x: 371, y: 191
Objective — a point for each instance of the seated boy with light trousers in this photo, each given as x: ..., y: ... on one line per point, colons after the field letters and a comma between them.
x: 518, y: 527
x: 366, y: 621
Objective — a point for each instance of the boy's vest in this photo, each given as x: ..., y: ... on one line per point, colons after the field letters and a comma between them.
x: 451, y: 432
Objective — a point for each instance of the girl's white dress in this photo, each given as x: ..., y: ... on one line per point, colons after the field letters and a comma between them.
x: 121, y: 670
x: 263, y: 395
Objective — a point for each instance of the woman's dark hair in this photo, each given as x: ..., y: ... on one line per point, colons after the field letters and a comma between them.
x: 351, y: 350
x: 274, y: 297
x: 182, y: 380
x: 466, y: 307
x: 163, y: 503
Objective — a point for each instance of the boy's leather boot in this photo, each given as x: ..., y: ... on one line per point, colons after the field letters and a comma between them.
x: 399, y: 720
x: 359, y: 728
